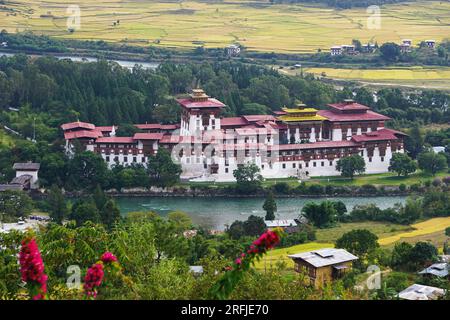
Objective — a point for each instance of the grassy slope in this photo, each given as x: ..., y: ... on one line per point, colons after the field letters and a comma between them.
x: 256, y: 25
x: 431, y: 230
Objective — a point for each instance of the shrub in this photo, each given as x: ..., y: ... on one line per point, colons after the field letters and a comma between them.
x: 402, y: 187
x: 446, y: 180
x: 437, y: 182
x: 415, y: 187
x: 281, y: 188
x: 368, y: 189
x: 316, y: 189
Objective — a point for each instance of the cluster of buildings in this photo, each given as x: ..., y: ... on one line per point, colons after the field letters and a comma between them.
x: 405, y: 47
x: 294, y: 142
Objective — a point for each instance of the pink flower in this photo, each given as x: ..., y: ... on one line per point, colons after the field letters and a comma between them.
x: 93, y: 279
x: 108, y: 257
x: 32, y: 268
x: 238, y: 261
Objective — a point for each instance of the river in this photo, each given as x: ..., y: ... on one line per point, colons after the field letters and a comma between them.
x: 123, y: 63
x: 217, y: 212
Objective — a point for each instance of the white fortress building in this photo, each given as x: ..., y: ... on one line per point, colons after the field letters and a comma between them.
x: 293, y: 142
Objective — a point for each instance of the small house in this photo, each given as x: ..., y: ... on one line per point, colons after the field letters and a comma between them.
x: 324, y: 265
x: 233, y: 50
x: 26, y: 175
x: 336, y: 50
x: 407, y: 42
x: 421, y: 292
x: 430, y: 44
x: 288, y: 225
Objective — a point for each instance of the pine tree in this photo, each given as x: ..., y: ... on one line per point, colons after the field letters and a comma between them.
x: 270, y: 206
x: 58, y: 207
x: 100, y: 197
x: 110, y: 214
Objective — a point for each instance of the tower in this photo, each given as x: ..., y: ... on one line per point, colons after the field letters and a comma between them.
x: 199, y: 113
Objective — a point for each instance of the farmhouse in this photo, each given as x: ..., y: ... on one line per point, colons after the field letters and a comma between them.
x: 421, y: 292
x: 336, y: 50
x: 233, y: 50
x: 294, y: 142
x: 26, y: 177
x: 323, y: 266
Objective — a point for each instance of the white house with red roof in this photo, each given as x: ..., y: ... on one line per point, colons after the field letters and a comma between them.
x: 293, y: 142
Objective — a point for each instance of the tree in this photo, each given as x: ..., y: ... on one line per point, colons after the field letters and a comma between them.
x: 15, y: 204
x: 401, y: 255
x: 423, y: 253
x: 127, y: 130
x: 351, y: 165
x: 181, y: 219
x: 248, y: 178
x: 447, y: 232
x: 436, y: 203
x: 402, y: 164
x: 359, y: 242
x: 414, y: 141
x: 87, y: 169
x: 320, y: 215
x: 100, y: 197
x: 110, y: 213
x: 431, y: 162
x: 390, y: 51
x: 83, y: 211
x: 270, y: 206
x: 162, y: 170
x: 341, y: 210
x: 254, y: 226
x: 58, y: 209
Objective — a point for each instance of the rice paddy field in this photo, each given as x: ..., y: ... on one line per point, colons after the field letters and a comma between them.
x: 256, y: 25
x: 417, y: 76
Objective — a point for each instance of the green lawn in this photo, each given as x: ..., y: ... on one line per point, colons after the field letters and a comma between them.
x: 381, y: 179
x: 5, y: 139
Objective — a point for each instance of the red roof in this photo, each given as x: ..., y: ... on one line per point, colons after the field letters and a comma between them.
x: 255, y: 118
x: 115, y: 140
x: 318, y: 145
x: 82, y: 134
x: 367, y: 116
x: 105, y: 128
x: 379, y: 135
x: 77, y: 124
x: 151, y: 126
x: 233, y: 121
x: 348, y: 106
x: 210, y: 103
x: 148, y: 136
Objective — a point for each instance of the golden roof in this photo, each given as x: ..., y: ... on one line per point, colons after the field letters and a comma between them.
x: 300, y: 113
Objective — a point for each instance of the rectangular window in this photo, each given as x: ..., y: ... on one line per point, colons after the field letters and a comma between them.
x: 284, y: 166
x: 307, y: 164
x: 143, y: 159
x: 370, y: 159
x: 331, y: 163
x: 293, y: 165
x: 134, y: 159
x: 322, y: 164
x: 382, y: 159
x: 300, y: 165
x: 107, y: 159
x: 314, y: 164
x: 226, y: 170
x: 125, y: 159
x: 262, y: 167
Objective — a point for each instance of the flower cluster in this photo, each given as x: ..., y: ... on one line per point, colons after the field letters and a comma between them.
x: 266, y: 241
x: 108, y: 257
x: 93, y: 279
x: 32, y: 269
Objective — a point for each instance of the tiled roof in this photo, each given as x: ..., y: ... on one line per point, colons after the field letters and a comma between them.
x: 106, y: 128
x: 150, y: 126
x: 115, y: 140
x: 379, y: 135
x: 280, y: 223
x: 148, y: 136
x: 210, y: 103
x: 233, y: 121
x: 77, y: 124
x: 26, y: 166
x: 22, y: 180
x: 348, y: 106
x: 325, y: 257
x: 262, y: 117
x: 367, y: 116
x: 82, y: 134
x: 437, y: 269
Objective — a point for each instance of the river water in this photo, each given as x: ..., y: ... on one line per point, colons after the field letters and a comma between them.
x: 217, y: 212
x: 123, y: 63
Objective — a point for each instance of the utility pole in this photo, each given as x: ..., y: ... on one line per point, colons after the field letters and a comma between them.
x: 34, y: 129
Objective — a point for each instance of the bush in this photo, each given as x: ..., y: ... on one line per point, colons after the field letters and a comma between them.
x: 446, y: 180
x: 437, y: 182
x: 281, y: 188
x: 368, y: 189
x: 415, y: 187
x: 316, y: 189
x: 402, y: 187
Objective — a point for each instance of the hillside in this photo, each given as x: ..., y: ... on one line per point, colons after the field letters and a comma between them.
x: 258, y: 26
